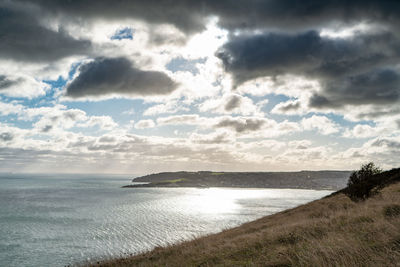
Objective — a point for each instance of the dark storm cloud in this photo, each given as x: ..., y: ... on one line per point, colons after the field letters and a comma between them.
x: 307, y: 53
x: 24, y: 38
x: 118, y: 76
x: 27, y: 38
x: 190, y: 15
x: 356, y: 70
x: 381, y: 86
x: 186, y: 15
x: 302, y: 14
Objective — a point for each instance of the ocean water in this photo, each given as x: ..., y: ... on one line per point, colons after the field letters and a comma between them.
x: 58, y: 220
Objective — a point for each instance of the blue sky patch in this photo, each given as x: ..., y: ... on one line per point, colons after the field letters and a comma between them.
x: 125, y: 33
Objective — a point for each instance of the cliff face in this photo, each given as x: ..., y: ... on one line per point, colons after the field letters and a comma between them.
x: 333, y: 180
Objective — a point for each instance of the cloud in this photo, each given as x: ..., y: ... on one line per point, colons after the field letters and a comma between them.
x: 166, y: 35
x: 6, y: 136
x: 144, y: 124
x: 241, y: 124
x: 103, y: 122
x: 305, y: 57
x: 251, y: 56
x: 362, y: 131
x: 186, y: 15
x: 246, y: 127
x: 171, y: 106
x: 231, y: 104
x: 25, y: 38
x: 213, y: 138
x: 179, y: 119
x: 57, y: 119
x: 317, y: 155
x: 320, y: 123
x: 11, y: 136
x: 265, y: 145
x: 392, y: 143
x: 288, y: 108
x: 298, y: 15
x: 359, y: 70
x: 384, y: 151
x: 190, y: 16
x: 300, y: 144
x: 379, y: 87
x: 5, y: 82
x: 19, y: 85
x: 306, y: 53
x: 108, y: 76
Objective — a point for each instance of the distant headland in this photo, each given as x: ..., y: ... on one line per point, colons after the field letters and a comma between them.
x: 332, y: 180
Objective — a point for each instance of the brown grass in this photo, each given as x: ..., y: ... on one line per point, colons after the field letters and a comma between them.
x: 332, y: 231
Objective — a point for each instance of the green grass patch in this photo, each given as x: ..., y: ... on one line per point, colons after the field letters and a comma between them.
x: 171, y: 181
x: 217, y: 173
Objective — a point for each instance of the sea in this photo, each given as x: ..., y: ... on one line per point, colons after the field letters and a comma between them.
x: 61, y: 220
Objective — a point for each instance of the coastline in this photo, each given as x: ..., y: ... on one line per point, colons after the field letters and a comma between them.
x: 333, y: 230
x: 314, y: 180
x: 232, y: 187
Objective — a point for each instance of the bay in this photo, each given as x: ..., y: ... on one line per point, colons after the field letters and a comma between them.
x: 57, y: 220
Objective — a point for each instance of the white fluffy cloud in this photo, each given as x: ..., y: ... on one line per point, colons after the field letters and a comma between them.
x: 362, y: 131
x: 320, y: 123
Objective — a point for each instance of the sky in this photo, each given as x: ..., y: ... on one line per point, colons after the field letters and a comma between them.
x: 135, y: 86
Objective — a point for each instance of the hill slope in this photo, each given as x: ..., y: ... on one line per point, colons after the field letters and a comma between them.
x: 333, y: 231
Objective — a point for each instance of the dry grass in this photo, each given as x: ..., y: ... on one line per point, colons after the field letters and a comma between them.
x: 333, y: 231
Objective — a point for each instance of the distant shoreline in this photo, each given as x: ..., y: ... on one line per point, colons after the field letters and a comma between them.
x: 315, y: 180
x: 222, y: 187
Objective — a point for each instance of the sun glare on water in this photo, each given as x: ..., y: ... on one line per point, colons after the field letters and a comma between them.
x: 221, y: 200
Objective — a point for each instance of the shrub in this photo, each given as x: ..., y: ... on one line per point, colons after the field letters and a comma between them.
x: 360, y: 185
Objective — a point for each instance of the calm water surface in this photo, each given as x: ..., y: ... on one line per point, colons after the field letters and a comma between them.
x: 56, y: 220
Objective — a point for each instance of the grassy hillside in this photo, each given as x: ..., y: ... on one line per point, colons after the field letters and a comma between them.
x: 333, y: 231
